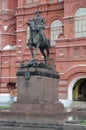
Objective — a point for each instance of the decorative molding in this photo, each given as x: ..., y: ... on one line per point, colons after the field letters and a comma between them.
x: 68, y: 17
x: 20, y: 31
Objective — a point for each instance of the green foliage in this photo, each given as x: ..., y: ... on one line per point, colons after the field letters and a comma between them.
x: 83, y: 122
x: 4, y: 107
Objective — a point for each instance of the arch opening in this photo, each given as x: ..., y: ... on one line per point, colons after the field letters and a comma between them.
x: 79, y: 90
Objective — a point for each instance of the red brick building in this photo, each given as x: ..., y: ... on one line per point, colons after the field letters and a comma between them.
x: 66, y: 28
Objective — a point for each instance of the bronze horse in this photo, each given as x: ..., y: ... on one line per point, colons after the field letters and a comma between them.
x: 36, y: 41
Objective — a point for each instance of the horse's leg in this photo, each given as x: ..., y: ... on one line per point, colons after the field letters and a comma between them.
x: 48, y: 49
x: 43, y: 53
x: 35, y: 53
x: 31, y: 50
x: 47, y: 56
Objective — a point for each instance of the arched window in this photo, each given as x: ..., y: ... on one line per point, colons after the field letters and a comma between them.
x: 29, y: 2
x: 56, y: 29
x: 52, y: 1
x: 36, y: 2
x: 0, y: 40
x: 80, y: 22
x: 3, y: 4
x: 28, y: 34
x: 32, y: 1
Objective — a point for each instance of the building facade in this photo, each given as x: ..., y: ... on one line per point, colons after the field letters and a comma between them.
x: 66, y: 29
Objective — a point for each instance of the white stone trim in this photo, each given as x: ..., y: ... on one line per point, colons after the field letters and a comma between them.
x: 7, y: 77
x: 67, y: 103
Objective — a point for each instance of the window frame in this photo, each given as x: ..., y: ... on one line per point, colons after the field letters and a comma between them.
x: 80, y: 23
x: 55, y: 30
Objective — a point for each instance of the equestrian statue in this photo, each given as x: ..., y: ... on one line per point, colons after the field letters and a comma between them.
x: 37, y: 37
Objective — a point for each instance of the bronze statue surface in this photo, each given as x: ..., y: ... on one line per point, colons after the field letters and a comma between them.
x: 37, y: 37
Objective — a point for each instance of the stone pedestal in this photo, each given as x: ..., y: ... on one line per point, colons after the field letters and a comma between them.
x: 37, y: 91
